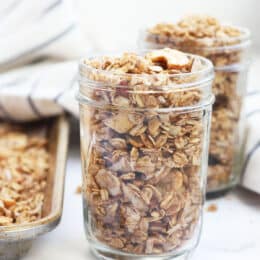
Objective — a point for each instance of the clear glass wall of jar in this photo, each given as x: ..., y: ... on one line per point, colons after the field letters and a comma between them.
x: 144, y: 150
x: 230, y: 56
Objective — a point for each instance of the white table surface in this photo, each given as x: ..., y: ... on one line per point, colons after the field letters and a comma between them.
x: 230, y: 233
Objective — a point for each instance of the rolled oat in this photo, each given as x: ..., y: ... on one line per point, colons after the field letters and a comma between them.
x: 24, y: 164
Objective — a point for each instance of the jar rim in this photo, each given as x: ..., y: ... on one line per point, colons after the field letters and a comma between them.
x: 243, y: 41
x: 207, y: 70
x: 235, y: 67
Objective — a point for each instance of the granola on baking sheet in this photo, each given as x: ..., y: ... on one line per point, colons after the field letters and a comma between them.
x: 227, y: 47
x: 142, y: 165
x: 24, y: 164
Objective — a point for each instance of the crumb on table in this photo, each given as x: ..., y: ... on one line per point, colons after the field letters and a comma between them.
x: 212, y: 208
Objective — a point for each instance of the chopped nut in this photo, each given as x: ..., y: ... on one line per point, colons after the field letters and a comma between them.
x: 9, y: 203
x: 170, y: 59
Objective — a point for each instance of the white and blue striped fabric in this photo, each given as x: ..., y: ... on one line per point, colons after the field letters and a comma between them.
x: 251, y: 165
x: 40, y: 43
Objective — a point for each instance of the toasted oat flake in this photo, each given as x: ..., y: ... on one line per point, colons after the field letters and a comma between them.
x: 198, y: 27
x: 155, y: 62
x: 78, y: 190
x: 212, y: 208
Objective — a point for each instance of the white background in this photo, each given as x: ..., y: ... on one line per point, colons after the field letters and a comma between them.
x: 113, y: 24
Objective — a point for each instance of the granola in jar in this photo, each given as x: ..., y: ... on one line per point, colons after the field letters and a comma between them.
x: 144, y: 128
x: 227, y: 47
x: 24, y: 165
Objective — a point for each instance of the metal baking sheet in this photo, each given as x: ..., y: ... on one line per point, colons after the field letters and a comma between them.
x: 16, y: 240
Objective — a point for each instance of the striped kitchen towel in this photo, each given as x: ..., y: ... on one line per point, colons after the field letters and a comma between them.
x: 39, y: 41
x: 38, y: 91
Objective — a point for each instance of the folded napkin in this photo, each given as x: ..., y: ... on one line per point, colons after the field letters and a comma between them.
x: 44, y: 37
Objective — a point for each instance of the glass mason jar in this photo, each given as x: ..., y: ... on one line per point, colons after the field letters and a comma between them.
x: 227, y: 138
x: 144, y: 150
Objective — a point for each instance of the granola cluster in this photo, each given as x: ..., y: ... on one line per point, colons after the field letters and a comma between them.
x: 142, y: 165
x: 203, y: 35
x: 24, y: 164
x: 225, y: 46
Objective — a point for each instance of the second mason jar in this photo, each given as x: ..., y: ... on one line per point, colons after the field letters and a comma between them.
x: 228, y: 48
x: 145, y: 122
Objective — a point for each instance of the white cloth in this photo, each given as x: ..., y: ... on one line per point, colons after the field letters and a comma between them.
x: 38, y: 91
x: 37, y: 39
x: 47, y: 31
